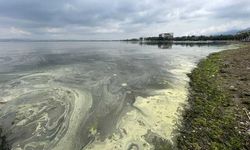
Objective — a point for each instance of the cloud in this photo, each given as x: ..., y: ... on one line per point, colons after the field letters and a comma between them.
x: 223, y: 28
x: 107, y: 19
x: 17, y: 31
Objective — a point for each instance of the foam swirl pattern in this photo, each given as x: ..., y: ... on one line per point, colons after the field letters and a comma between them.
x: 56, y: 96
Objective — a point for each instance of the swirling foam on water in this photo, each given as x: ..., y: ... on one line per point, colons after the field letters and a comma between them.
x: 157, y: 114
x: 92, y: 100
x: 44, y: 111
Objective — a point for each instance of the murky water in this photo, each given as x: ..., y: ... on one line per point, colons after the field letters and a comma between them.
x: 93, y: 95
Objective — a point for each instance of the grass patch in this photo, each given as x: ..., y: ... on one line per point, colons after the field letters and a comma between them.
x: 209, y: 123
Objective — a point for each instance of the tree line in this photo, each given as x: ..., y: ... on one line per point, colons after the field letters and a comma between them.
x: 243, y: 36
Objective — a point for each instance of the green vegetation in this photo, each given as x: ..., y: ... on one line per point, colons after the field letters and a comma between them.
x: 240, y: 36
x: 209, y: 123
x: 206, y: 38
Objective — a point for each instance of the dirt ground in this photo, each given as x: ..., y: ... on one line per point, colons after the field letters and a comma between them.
x: 235, y: 74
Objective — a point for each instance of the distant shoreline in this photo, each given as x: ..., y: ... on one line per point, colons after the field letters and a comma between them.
x: 177, y: 42
x: 28, y: 40
x: 129, y: 41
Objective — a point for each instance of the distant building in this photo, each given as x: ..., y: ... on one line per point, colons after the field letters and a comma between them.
x: 166, y: 35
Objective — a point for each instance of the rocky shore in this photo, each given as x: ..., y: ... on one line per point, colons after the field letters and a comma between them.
x: 218, y: 115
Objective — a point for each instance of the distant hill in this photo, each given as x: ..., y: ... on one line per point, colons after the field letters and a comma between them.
x: 230, y: 32
x: 245, y: 30
x: 233, y: 32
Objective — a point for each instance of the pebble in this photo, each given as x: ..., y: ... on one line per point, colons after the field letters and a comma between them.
x: 124, y: 84
x: 243, y: 79
x: 248, y: 131
x: 129, y: 92
x: 2, y: 101
x: 246, y: 93
x: 232, y: 88
x: 242, y: 123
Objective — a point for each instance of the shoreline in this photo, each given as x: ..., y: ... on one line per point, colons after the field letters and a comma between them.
x: 183, y: 42
x: 219, y: 103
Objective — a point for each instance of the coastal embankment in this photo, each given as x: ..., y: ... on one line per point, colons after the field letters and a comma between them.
x: 218, y: 114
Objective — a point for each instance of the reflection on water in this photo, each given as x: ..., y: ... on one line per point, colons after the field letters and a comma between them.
x: 168, y: 45
x: 160, y: 45
x: 85, y: 95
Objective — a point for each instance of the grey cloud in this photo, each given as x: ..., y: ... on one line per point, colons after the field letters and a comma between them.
x: 60, y: 17
x: 234, y: 11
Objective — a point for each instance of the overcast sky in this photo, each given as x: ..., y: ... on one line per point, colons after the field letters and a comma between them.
x: 118, y: 19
